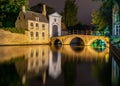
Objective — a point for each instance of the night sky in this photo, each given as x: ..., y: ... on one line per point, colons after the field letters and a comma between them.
x: 84, y: 12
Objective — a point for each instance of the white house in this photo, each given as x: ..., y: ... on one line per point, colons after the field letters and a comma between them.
x: 55, y: 24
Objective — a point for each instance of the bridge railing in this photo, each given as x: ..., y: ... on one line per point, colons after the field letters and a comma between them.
x: 94, y: 33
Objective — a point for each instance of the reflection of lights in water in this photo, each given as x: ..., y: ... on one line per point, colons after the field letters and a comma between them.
x: 77, y: 48
x: 99, y: 44
x: 44, y: 60
x: 107, y: 57
x: 99, y: 49
x: 55, y: 64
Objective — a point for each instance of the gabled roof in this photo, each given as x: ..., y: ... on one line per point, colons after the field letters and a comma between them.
x: 55, y: 14
x: 30, y: 15
x: 39, y: 7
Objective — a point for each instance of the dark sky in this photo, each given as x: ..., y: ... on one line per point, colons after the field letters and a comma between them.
x: 84, y: 11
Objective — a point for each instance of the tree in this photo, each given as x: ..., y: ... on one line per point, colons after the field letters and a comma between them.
x: 9, y: 10
x: 70, y: 13
x: 103, y: 16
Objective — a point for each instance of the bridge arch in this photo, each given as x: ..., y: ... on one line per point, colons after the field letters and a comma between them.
x: 57, y: 42
x: 69, y: 40
x: 76, y: 41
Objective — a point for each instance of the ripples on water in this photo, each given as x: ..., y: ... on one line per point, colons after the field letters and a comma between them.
x: 57, y: 66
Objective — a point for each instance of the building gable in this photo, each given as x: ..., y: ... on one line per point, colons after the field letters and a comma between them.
x: 56, y: 14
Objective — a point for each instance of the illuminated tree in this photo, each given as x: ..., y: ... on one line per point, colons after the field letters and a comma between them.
x: 103, y: 16
x: 9, y: 10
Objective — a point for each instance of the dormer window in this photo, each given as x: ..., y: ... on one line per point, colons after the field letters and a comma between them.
x: 37, y: 18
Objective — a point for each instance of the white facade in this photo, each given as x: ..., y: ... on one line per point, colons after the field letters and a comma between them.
x: 55, y: 24
x: 54, y: 64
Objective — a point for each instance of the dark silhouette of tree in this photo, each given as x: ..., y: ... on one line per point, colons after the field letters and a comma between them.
x: 70, y: 13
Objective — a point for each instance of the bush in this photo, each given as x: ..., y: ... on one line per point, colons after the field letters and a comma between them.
x: 14, y: 30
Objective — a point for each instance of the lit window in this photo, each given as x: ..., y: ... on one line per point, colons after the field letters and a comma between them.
x: 37, y: 26
x: 43, y: 27
x: 37, y: 35
x: 31, y: 25
x: 43, y: 35
x: 31, y: 34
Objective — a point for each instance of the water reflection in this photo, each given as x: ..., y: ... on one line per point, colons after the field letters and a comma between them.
x: 115, y: 73
x: 54, y: 64
x: 50, y: 66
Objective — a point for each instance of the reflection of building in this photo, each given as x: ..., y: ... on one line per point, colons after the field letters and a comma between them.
x: 54, y: 64
x: 115, y: 73
x: 116, y: 21
x: 55, y: 24
x: 37, y: 58
x: 36, y: 63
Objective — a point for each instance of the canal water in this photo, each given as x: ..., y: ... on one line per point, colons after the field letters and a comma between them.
x: 43, y: 65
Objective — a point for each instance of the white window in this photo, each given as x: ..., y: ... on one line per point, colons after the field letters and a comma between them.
x: 37, y: 26
x: 31, y: 25
x: 37, y: 35
x: 43, y: 35
x: 43, y: 26
x: 31, y: 35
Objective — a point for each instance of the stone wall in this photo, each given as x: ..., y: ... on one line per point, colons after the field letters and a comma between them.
x: 8, y: 38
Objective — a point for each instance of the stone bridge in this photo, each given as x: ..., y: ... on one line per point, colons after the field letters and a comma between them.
x: 87, y: 39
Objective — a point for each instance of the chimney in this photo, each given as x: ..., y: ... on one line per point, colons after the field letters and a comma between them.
x: 44, y: 10
x: 23, y: 9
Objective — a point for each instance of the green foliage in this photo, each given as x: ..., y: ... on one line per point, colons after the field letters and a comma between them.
x: 98, y: 20
x: 14, y: 30
x: 102, y: 18
x: 9, y: 10
x: 70, y: 13
x: 9, y: 74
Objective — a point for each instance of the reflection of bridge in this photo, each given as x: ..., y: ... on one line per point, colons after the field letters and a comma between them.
x: 86, y: 52
x: 87, y: 39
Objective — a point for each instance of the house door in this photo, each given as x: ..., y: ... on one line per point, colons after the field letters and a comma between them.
x: 55, y: 30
